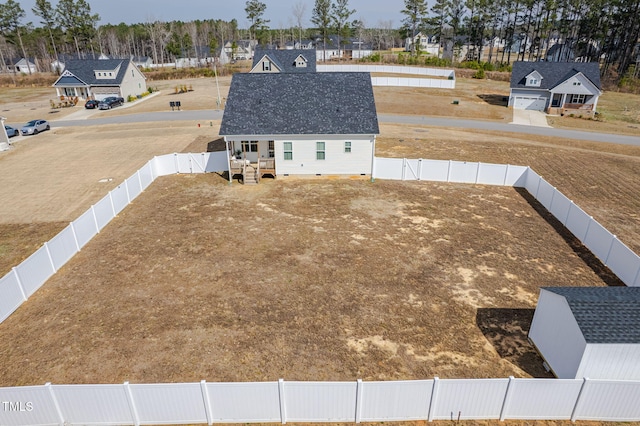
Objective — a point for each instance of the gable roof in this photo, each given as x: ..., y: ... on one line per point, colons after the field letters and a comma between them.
x: 604, y: 314
x: 300, y: 104
x: 84, y: 71
x: 285, y: 59
x: 554, y: 73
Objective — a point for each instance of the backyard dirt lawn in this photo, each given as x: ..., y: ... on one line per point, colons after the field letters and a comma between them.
x: 299, y: 279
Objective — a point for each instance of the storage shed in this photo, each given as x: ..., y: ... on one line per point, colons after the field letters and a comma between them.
x: 589, y: 332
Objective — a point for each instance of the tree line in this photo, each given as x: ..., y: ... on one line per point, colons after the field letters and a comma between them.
x: 490, y: 31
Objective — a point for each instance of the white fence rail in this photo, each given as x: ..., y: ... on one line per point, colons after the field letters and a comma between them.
x: 269, y: 402
x: 23, y: 280
x: 447, y: 80
x: 607, y: 247
x: 200, y: 403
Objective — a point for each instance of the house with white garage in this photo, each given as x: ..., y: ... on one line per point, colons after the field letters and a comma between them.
x: 277, y: 61
x: 556, y: 87
x: 100, y: 78
x: 589, y: 332
x: 309, y: 124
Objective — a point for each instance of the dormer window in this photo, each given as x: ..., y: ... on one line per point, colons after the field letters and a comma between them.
x: 534, y: 79
x: 300, y: 62
x: 266, y: 65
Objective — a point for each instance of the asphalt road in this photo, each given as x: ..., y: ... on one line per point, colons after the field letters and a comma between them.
x: 205, y: 115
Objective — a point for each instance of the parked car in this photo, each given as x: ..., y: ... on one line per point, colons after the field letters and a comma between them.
x: 91, y: 104
x: 35, y: 126
x: 110, y: 102
x: 11, y: 132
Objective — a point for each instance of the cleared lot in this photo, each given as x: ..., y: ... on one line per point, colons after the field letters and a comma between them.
x: 297, y: 279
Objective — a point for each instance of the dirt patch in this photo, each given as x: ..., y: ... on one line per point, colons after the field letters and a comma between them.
x: 306, y: 280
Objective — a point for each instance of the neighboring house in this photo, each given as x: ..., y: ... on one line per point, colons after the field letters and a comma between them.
x: 589, y: 332
x: 98, y: 79
x: 25, y: 66
x: 300, y: 124
x: 299, y: 44
x: 424, y: 43
x: 342, y: 47
x: 142, y: 61
x: 240, y: 49
x: 556, y: 87
x: 276, y: 61
x: 560, y: 52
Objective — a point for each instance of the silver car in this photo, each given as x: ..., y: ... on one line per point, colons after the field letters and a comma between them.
x: 11, y: 132
x: 35, y: 126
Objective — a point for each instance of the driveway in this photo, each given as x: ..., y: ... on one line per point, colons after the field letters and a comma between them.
x: 527, y: 117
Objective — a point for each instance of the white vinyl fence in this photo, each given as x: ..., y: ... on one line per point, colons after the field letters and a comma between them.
x: 435, y: 399
x: 447, y: 78
x: 282, y: 402
x: 607, y: 247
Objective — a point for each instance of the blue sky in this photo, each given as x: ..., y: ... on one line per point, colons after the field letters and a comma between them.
x: 279, y: 12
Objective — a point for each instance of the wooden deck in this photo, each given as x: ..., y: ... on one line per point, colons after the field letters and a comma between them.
x: 252, y: 173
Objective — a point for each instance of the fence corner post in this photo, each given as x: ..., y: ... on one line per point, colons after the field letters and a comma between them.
x: 207, y: 401
x: 132, y: 405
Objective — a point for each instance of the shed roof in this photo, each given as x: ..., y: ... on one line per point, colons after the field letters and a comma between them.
x: 300, y: 104
x: 285, y: 59
x: 554, y: 73
x: 604, y: 314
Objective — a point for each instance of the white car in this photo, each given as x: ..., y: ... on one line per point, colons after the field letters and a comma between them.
x: 35, y: 126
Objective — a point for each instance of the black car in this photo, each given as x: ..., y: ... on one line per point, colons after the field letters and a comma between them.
x: 110, y: 102
x: 91, y: 104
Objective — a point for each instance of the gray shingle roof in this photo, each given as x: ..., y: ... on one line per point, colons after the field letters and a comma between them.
x: 295, y: 104
x: 84, y: 70
x: 553, y: 73
x: 604, y: 314
x: 285, y: 59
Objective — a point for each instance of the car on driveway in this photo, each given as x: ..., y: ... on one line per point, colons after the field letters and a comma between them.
x: 110, y: 102
x: 35, y: 126
x: 91, y: 104
x: 11, y: 132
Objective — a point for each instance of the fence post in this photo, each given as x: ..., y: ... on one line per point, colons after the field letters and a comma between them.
x: 19, y: 281
x: 358, y: 400
x: 140, y: 180
x: 95, y: 219
x: 46, y: 248
x: 566, y: 219
x: 404, y: 168
x: 283, y: 407
x: 126, y: 188
x: 419, y: 168
x: 113, y: 207
x: 577, y: 406
x: 477, y: 173
x: 175, y: 162
x: 207, y: 401
x: 434, y: 398
x: 55, y: 403
x: 538, y: 187
x: 587, y: 231
x: 507, y: 398
x: 75, y: 236
x: 610, y: 248
x: 449, y: 172
x: 132, y: 405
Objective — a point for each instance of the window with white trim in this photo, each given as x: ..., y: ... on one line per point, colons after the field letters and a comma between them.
x: 272, y: 149
x: 347, y: 147
x: 287, y: 148
x: 578, y: 99
x: 266, y: 65
x: 320, y: 152
x: 250, y: 146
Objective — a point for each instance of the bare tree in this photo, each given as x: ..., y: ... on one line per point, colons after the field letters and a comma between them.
x: 299, y: 10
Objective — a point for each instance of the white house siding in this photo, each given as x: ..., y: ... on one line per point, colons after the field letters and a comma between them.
x: 336, y: 162
x: 535, y: 99
x: 133, y: 83
x: 555, y: 333
x: 610, y: 361
x: 578, y: 85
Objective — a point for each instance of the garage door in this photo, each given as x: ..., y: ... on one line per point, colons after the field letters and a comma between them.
x: 536, y: 104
